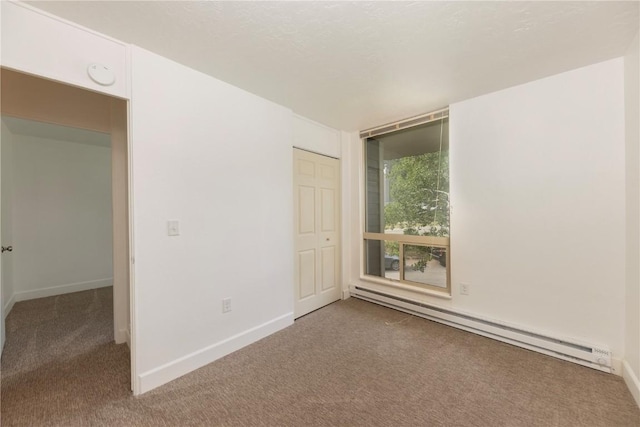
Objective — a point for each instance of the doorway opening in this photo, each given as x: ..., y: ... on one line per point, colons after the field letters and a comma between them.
x: 64, y: 213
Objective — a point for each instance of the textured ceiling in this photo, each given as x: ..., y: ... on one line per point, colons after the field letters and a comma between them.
x: 354, y: 65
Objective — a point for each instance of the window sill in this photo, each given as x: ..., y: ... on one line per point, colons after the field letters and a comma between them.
x: 404, y: 286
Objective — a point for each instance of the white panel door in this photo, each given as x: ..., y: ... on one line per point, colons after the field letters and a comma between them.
x: 316, y: 191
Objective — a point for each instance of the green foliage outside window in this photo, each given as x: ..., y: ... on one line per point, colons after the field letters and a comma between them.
x: 419, y: 194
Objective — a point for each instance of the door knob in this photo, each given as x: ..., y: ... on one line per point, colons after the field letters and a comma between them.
x: 7, y: 249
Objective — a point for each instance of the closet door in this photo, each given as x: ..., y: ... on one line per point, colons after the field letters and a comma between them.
x: 317, y: 231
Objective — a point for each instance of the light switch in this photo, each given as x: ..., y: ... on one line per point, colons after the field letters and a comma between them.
x: 173, y: 228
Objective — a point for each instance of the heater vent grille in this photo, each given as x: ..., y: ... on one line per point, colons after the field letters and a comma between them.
x: 597, y: 357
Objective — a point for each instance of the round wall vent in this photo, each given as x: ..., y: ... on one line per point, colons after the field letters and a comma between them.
x: 101, y: 74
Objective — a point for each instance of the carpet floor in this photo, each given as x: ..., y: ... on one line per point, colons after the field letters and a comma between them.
x: 351, y: 363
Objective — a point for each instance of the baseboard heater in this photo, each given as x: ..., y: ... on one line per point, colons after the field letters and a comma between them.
x: 596, y: 357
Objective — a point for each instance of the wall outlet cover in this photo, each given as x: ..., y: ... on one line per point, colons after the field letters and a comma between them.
x: 464, y: 288
x: 173, y: 228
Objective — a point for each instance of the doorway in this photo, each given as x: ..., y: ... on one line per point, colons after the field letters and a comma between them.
x: 316, y: 192
x: 64, y: 156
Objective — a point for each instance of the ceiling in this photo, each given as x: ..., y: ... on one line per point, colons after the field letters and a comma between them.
x: 355, y: 65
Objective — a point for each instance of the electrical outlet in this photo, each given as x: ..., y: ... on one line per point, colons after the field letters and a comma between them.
x: 464, y: 288
x: 226, y: 305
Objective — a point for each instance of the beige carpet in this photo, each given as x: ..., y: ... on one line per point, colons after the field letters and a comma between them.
x: 350, y: 364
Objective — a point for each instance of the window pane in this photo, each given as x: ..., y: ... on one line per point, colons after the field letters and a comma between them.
x: 407, y: 180
x: 381, y: 259
x: 426, y: 265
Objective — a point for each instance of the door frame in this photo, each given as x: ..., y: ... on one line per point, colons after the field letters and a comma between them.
x: 339, y: 269
x: 118, y: 124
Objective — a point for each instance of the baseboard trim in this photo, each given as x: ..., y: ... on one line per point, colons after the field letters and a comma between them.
x: 179, y: 367
x: 9, y: 305
x: 346, y: 293
x: 121, y: 336
x: 63, y: 289
x: 632, y: 381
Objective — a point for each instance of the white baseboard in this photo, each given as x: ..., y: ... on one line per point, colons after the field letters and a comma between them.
x: 632, y: 381
x: 62, y: 289
x: 120, y: 336
x: 346, y: 293
x: 123, y: 336
x: 9, y: 305
x: 179, y: 367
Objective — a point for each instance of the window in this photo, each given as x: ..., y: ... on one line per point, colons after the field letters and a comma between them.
x: 406, y: 236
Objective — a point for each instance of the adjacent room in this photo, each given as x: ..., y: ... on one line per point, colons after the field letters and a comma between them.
x: 320, y: 213
x: 63, y: 199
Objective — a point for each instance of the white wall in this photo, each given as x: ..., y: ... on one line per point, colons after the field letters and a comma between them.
x: 632, y: 325
x: 217, y: 159
x: 312, y: 136
x: 538, y: 206
x: 61, y: 210
x: 120, y: 230
x: 537, y: 186
x: 39, y: 44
